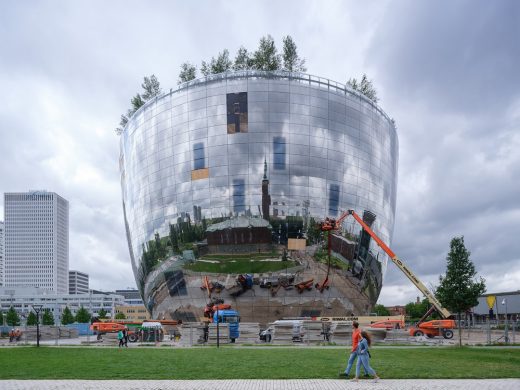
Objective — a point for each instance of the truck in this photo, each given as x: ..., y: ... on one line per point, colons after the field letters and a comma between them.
x: 429, y: 328
x: 230, y: 317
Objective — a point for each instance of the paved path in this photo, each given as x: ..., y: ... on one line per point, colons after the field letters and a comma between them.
x: 248, y: 384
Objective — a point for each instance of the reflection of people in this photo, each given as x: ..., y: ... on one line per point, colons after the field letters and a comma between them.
x: 206, y: 332
x: 364, y: 356
x: 356, y: 338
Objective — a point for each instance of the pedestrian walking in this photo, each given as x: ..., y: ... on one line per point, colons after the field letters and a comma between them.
x: 356, y: 338
x: 125, y: 337
x: 120, y: 337
x: 364, y: 356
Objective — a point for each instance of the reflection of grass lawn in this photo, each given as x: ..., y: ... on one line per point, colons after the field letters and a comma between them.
x: 245, y: 363
x: 238, y: 264
x: 322, y: 256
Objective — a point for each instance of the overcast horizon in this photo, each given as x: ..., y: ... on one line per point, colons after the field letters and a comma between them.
x: 446, y: 71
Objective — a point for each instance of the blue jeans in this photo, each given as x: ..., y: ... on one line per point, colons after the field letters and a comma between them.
x: 351, y: 359
x: 364, y: 360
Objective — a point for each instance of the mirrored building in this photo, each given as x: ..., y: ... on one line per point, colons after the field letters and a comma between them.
x: 228, y: 175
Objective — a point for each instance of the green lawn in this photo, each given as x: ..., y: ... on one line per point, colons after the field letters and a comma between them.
x: 251, y: 363
x: 239, y: 266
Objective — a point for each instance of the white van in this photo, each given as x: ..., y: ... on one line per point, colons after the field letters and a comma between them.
x: 297, y: 330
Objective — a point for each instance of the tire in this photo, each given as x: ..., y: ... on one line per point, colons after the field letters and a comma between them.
x: 447, y: 334
x: 418, y: 333
x: 132, y: 338
x: 99, y: 336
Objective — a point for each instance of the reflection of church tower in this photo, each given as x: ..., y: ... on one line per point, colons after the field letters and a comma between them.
x: 266, y: 198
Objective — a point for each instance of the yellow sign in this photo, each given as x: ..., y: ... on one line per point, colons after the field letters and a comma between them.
x: 491, y: 301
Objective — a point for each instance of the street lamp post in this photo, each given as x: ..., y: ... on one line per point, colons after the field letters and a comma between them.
x: 506, y: 331
x: 37, y: 308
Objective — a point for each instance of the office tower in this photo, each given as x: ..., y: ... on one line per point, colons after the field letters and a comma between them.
x: 36, y: 240
x: 2, y: 250
x: 78, y: 282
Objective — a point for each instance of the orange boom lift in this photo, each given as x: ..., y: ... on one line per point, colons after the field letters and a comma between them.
x: 429, y: 328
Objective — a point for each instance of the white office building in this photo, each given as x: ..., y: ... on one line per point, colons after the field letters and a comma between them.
x: 2, y: 250
x: 23, y: 298
x: 36, y: 240
x: 78, y: 282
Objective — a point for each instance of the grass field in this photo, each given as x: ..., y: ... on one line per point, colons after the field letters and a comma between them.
x: 239, y: 265
x: 251, y: 363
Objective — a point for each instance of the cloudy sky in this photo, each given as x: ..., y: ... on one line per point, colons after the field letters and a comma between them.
x: 447, y: 71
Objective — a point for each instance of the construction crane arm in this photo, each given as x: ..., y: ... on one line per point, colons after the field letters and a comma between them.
x: 400, y: 264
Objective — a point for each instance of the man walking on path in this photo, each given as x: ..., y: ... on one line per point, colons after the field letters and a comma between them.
x: 356, y: 338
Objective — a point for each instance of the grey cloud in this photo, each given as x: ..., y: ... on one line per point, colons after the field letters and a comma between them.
x: 463, y: 53
x: 445, y: 70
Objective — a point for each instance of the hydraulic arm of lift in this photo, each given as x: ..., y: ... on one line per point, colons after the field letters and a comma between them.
x: 331, y: 224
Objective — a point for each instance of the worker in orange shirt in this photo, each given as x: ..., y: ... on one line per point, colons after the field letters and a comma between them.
x: 356, y: 338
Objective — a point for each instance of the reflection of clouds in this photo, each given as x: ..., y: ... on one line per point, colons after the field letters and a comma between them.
x: 156, y: 277
x: 303, y: 132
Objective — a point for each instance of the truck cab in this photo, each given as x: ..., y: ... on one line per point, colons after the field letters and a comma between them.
x: 230, y: 317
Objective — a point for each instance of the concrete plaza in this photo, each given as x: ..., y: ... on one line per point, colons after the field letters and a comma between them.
x: 259, y: 384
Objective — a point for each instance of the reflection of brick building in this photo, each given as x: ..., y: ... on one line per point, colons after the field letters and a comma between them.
x: 396, y: 310
x: 266, y: 198
x: 239, y: 231
x: 343, y: 246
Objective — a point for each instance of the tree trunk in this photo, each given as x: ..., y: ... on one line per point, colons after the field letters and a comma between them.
x: 460, y: 332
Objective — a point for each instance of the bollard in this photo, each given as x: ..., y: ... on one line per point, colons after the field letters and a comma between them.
x: 488, y: 332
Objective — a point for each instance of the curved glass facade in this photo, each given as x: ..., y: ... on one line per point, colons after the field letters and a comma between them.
x: 288, y: 148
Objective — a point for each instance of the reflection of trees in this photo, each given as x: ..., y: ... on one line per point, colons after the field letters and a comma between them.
x: 181, y: 236
x: 186, y: 233
x: 313, y: 232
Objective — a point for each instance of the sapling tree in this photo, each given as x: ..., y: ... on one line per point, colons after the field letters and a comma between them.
x: 458, y: 290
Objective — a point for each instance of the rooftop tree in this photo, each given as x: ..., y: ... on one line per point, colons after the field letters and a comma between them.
x: 364, y: 86
x: 242, y: 59
x: 188, y: 72
x: 266, y: 56
x: 291, y: 60
x: 151, y: 88
x: 217, y: 65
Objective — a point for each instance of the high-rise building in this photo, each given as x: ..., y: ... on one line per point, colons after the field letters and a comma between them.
x: 132, y: 296
x: 2, y: 250
x: 78, y: 282
x: 36, y: 240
